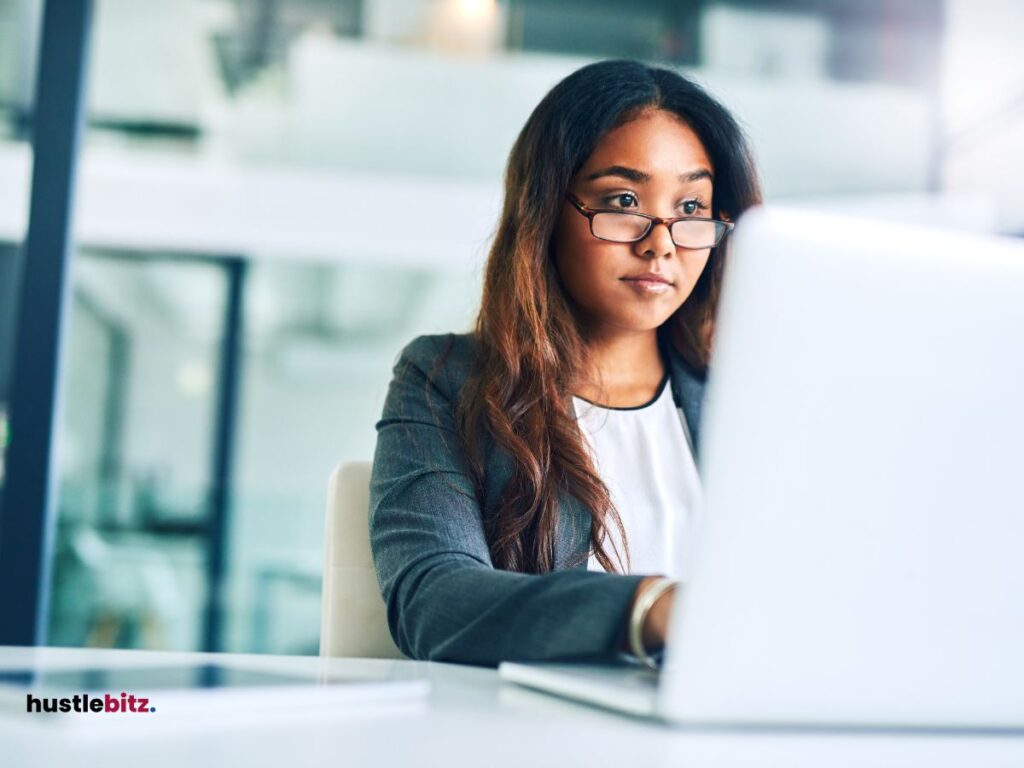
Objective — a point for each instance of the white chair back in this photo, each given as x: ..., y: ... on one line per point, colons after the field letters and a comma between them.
x: 353, y: 619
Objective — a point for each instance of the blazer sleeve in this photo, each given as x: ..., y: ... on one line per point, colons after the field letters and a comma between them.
x: 445, y: 600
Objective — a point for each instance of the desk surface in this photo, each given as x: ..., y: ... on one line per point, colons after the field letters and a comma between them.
x: 470, y: 718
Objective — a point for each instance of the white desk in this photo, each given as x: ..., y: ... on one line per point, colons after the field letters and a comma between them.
x: 469, y: 719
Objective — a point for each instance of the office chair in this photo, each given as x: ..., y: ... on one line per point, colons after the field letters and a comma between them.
x: 353, y: 620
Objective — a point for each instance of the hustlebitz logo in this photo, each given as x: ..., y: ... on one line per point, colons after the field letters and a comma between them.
x: 128, y: 703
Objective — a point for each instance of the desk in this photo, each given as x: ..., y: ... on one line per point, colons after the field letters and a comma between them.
x: 470, y: 718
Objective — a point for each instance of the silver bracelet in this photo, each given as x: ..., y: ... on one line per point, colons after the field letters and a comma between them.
x: 641, y: 608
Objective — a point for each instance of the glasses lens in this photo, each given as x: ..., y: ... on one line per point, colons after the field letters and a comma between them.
x: 620, y: 227
x: 694, y: 233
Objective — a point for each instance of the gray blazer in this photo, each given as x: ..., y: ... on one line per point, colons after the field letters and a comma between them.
x: 445, y: 600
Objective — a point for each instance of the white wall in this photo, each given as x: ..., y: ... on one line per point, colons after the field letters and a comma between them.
x: 367, y: 107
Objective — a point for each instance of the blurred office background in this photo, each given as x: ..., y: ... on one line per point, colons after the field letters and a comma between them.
x: 276, y: 195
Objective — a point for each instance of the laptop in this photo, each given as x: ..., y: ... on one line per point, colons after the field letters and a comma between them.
x: 861, y: 562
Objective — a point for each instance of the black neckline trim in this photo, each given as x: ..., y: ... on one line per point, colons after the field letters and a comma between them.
x: 661, y: 388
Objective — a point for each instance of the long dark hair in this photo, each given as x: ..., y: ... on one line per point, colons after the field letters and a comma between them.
x: 530, y: 350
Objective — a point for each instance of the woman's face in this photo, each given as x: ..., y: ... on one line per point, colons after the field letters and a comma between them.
x: 654, y: 164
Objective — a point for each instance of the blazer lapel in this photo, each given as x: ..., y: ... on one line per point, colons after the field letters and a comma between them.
x: 688, y: 392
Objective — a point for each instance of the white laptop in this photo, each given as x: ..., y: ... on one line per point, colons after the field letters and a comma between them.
x: 862, y: 558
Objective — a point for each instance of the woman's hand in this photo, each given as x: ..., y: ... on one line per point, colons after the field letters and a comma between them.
x: 656, y: 624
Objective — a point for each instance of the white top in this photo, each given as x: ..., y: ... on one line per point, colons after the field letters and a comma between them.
x: 644, y: 456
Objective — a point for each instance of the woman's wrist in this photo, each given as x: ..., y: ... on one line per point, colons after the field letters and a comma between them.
x: 648, y: 617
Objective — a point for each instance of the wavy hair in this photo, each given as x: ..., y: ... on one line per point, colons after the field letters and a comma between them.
x: 530, y: 347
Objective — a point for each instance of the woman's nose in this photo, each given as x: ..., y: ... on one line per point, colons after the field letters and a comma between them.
x: 657, y: 243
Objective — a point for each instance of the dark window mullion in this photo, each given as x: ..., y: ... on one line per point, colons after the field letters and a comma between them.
x: 28, y: 514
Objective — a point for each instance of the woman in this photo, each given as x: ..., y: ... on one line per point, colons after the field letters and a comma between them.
x: 532, y: 478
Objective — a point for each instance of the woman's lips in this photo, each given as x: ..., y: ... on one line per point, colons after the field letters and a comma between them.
x: 647, y: 286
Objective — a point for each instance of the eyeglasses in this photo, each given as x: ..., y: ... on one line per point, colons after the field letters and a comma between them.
x: 690, y: 232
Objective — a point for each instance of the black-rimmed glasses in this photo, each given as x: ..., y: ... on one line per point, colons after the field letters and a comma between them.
x: 690, y: 232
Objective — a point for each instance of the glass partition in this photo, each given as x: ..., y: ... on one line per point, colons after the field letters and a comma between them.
x: 135, y: 452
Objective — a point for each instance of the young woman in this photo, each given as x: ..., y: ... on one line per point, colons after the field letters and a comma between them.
x: 534, y: 479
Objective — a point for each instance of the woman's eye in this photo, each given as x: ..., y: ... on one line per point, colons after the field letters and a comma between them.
x: 623, y: 200
x: 690, y: 207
